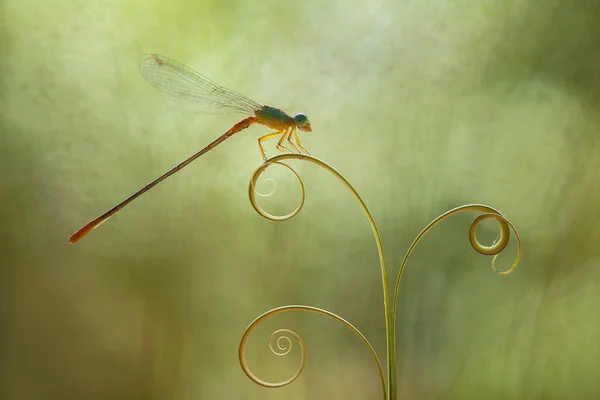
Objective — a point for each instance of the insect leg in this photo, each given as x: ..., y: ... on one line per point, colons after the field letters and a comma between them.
x: 281, y: 147
x: 298, y: 143
x: 289, y: 139
x: 266, y: 137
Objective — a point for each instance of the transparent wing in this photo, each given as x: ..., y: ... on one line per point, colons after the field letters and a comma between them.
x: 189, y: 90
x: 192, y: 107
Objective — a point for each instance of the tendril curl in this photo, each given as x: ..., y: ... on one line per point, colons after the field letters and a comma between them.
x: 286, y: 348
x: 265, y: 194
x: 494, y: 249
x: 252, y: 191
x: 283, y: 349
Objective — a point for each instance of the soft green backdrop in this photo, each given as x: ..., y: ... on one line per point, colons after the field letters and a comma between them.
x: 422, y: 105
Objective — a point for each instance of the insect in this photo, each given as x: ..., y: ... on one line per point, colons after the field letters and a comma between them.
x: 186, y: 87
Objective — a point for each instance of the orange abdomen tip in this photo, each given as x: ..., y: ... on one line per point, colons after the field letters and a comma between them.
x: 84, y: 230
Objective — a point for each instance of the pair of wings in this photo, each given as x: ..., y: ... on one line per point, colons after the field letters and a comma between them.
x: 191, y: 91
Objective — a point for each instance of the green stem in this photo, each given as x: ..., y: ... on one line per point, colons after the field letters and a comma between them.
x: 389, y: 325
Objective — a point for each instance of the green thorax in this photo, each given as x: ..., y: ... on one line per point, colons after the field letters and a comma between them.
x: 273, y: 114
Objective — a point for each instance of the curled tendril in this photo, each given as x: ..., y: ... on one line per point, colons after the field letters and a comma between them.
x: 263, y: 194
x: 252, y: 191
x: 493, y: 250
x: 285, y: 348
x: 499, y: 244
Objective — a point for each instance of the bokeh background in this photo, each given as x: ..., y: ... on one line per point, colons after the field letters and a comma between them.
x: 422, y: 105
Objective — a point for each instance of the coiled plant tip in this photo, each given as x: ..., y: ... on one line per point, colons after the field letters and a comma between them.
x: 283, y: 350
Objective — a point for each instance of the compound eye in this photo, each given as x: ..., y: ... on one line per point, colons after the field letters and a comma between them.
x: 300, y: 120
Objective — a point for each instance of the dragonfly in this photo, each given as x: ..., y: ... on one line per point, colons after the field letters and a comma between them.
x: 186, y: 87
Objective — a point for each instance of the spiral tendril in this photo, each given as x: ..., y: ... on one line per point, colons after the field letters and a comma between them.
x: 493, y: 250
x: 267, y: 194
x: 286, y: 348
x: 499, y: 244
x: 282, y: 350
x: 252, y: 192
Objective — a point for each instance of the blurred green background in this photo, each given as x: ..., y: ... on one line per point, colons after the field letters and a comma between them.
x: 423, y: 106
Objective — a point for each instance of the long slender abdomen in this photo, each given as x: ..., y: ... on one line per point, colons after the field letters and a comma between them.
x: 87, y: 228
